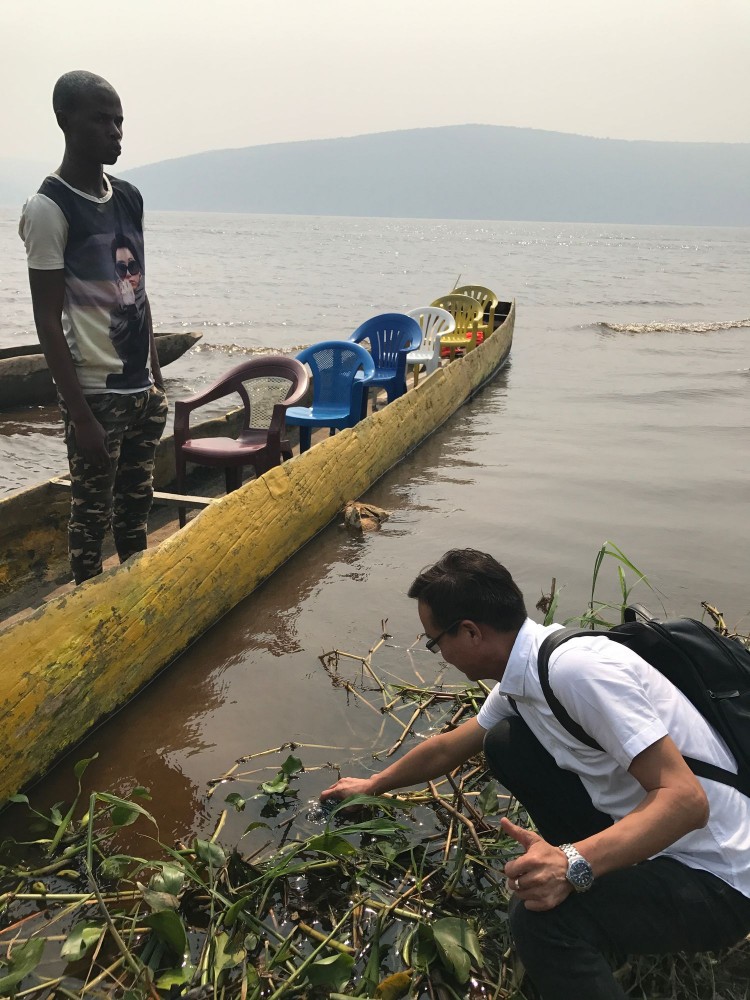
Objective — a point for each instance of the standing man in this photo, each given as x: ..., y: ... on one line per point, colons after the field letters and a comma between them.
x: 634, y: 854
x: 83, y: 232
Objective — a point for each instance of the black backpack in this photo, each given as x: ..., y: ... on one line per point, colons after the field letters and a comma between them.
x: 711, y: 670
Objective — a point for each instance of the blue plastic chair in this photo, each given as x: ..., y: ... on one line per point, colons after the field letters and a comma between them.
x: 392, y: 337
x: 337, y: 394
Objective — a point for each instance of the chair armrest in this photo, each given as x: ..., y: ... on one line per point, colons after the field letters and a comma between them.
x: 278, y: 424
x: 182, y: 411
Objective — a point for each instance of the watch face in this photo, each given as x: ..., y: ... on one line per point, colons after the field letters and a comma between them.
x: 580, y: 874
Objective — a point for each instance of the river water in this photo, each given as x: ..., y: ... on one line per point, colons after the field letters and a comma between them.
x: 621, y: 416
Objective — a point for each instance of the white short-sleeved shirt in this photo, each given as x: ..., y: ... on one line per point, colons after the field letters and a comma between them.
x: 626, y: 705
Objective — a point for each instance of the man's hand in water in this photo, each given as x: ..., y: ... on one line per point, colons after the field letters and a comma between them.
x: 345, y: 787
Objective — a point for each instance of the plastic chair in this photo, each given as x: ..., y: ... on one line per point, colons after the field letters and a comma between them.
x: 267, y: 387
x: 337, y: 394
x: 434, y: 323
x: 468, y: 314
x: 391, y: 337
x: 487, y: 299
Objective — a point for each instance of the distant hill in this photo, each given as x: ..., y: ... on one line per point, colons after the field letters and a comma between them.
x: 455, y: 172
x: 20, y: 178
x: 465, y: 172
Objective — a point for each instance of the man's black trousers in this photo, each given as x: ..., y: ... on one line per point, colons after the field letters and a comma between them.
x: 657, y: 907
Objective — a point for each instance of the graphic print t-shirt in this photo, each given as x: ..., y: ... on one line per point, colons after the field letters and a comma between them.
x: 99, y: 244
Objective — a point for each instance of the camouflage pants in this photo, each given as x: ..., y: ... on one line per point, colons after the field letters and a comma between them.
x: 118, y: 496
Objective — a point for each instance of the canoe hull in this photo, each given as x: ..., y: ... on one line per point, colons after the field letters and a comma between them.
x: 83, y: 655
x: 25, y: 379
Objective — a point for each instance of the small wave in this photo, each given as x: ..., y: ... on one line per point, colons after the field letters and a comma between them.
x: 233, y: 349
x: 665, y: 327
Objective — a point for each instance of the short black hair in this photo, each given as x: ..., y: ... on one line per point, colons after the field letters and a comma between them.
x: 121, y: 242
x: 71, y: 86
x: 466, y: 583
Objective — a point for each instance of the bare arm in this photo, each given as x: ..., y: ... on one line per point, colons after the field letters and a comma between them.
x: 675, y: 804
x: 47, y: 297
x: 435, y: 756
x: 154, y: 354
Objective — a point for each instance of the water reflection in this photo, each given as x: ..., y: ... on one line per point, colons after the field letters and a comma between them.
x: 254, y: 680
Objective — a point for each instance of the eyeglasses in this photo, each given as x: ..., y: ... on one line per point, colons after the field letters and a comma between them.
x: 434, y: 644
x: 123, y: 269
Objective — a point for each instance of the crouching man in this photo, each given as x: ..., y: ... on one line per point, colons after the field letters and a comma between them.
x: 634, y: 854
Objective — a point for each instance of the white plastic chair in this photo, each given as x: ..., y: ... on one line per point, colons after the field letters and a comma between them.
x: 434, y: 323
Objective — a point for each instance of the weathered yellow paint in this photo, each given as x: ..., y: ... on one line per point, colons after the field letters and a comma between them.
x: 84, y: 654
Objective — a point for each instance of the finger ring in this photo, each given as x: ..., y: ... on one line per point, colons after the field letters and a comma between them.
x: 518, y: 885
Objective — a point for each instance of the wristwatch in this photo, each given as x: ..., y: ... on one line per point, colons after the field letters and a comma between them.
x: 579, y: 873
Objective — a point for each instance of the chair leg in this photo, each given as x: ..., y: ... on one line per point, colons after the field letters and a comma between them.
x: 365, y: 401
x: 304, y: 439
x: 180, y: 487
x: 233, y: 478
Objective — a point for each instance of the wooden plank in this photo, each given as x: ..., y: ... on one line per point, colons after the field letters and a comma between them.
x: 182, y: 500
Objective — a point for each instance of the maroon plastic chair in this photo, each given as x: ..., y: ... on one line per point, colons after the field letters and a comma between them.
x: 266, y: 386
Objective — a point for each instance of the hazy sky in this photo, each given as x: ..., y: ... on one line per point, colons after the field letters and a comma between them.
x: 227, y: 73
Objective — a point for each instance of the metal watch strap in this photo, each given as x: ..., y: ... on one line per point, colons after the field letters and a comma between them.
x: 577, y: 861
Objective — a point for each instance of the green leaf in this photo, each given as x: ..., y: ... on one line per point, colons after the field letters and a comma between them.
x: 24, y: 959
x: 388, y: 805
x: 230, y: 915
x: 169, y: 929
x: 333, y: 971
x: 81, y: 766
x: 236, y: 800
x: 226, y: 954
x: 141, y: 792
x: 487, y: 800
x: 124, y: 804
x: 330, y: 843
x: 277, y: 786
x: 170, y: 879
x: 457, y: 943
x: 23, y: 799
x: 82, y: 937
x: 210, y: 853
x: 388, y: 850
x: 158, y: 901
x: 123, y: 816
x: 292, y: 765
x: 115, y: 867
x: 255, y: 826
x: 175, y: 977
x: 382, y: 826
x: 422, y: 949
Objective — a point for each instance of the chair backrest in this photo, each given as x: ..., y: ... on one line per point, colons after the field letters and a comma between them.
x: 333, y: 364
x: 434, y: 323
x: 260, y: 382
x: 463, y: 308
x: 485, y: 296
x: 391, y: 337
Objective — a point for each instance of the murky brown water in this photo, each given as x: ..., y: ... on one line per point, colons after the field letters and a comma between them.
x: 549, y: 462
x: 638, y: 436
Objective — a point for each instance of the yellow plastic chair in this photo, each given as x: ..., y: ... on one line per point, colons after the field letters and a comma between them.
x: 487, y: 299
x: 468, y: 314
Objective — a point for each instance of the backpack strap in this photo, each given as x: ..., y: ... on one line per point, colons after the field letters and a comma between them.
x: 547, y: 648
x: 700, y: 768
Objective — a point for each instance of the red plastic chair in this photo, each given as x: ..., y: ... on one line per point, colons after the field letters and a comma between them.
x: 267, y: 386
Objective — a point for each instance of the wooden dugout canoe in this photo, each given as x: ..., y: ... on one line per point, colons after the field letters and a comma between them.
x: 83, y: 655
x: 25, y: 379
